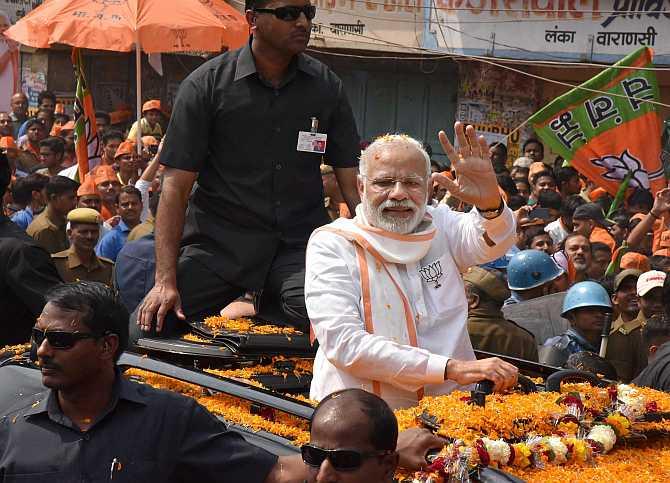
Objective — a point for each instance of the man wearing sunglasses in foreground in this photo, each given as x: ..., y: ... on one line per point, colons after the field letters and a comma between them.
x: 92, y: 424
x: 353, y: 436
x: 250, y: 127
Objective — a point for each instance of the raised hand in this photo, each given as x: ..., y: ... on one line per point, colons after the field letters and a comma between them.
x: 475, y: 181
x: 661, y: 203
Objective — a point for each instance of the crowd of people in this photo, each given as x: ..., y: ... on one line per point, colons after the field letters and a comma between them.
x: 399, y: 266
x: 83, y: 226
x: 611, y: 260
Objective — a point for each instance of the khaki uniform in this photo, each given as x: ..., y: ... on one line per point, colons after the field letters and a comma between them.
x: 143, y: 229
x: 493, y: 333
x: 72, y: 269
x: 626, y: 349
x: 47, y: 233
x: 489, y: 330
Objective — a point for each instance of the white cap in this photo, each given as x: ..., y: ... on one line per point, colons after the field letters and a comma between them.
x: 522, y: 162
x: 649, y: 280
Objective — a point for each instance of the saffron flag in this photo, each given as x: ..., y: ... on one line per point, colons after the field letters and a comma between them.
x: 87, y: 143
x: 613, y: 133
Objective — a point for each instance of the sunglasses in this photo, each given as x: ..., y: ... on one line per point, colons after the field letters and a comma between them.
x: 290, y: 14
x: 59, y: 339
x: 341, y: 459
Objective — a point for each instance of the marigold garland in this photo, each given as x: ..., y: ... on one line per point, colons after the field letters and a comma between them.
x: 17, y: 349
x: 642, y: 464
x: 224, y: 324
x: 506, y: 433
x: 301, y: 368
x: 577, y: 428
x: 196, y: 338
x: 232, y: 409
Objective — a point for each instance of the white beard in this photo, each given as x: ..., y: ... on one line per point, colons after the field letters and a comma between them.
x: 377, y: 218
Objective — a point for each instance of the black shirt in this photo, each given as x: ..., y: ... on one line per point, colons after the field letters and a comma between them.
x: 26, y: 273
x: 255, y: 191
x: 657, y: 374
x: 150, y: 435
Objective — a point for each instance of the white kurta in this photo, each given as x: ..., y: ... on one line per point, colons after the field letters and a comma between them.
x: 348, y: 356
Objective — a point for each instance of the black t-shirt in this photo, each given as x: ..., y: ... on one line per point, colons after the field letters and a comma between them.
x: 255, y: 191
x: 148, y: 434
x: 26, y: 273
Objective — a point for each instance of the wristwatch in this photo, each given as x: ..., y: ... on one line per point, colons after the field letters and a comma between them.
x: 494, y: 213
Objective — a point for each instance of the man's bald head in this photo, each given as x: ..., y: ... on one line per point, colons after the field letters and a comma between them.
x: 361, y: 409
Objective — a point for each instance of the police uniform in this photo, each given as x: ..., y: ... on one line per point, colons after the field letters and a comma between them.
x: 70, y: 266
x: 489, y: 330
x: 625, y: 347
x: 582, y: 295
x: 47, y: 233
x: 557, y: 350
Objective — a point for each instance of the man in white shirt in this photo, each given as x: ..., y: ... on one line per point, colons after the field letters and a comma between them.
x: 562, y: 227
x: 384, y: 291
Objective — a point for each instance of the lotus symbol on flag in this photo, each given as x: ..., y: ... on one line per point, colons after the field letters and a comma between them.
x: 618, y: 167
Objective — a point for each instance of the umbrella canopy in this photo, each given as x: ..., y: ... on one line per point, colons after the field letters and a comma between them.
x: 118, y: 25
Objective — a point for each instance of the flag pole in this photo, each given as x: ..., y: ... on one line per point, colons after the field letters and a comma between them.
x: 138, y: 84
x: 621, y: 192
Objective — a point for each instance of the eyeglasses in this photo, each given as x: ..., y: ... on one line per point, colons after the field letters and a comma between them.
x: 341, y: 459
x: 291, y: 13
x: 410, y: 183
x: 60, y: 339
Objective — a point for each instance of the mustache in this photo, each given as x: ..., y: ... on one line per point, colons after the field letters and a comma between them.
x: 398, y: 204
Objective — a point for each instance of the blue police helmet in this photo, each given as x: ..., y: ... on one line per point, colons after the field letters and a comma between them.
x: 586, y: 294
x: 531, y: 268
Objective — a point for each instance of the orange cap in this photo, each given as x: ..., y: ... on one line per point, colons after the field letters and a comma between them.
x: 597, y: 193
x: 117, y: 117
x: 68, y: 126
x: 149, y: 141
x: 536, y: 167
x: 7, y: 142
x: 636, y: 261
x: 104, y: 172
x: 87, y: 188
x: 663, y: 252
x: 151, y: 105
x: 126, y: 147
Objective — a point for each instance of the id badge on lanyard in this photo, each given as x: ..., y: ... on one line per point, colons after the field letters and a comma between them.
x: 313, y: 141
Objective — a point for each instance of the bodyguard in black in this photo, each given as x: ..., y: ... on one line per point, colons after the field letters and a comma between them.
x: 235, y: 129
x: 26, y: 272
x: 93, y: 425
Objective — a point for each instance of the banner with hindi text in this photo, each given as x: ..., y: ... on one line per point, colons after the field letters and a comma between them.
x: 607, y: 128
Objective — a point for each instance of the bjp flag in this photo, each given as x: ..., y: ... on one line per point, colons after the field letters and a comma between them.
x: 611, y: 134
x: 87, y: 142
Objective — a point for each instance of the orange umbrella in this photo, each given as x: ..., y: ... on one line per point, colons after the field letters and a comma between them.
x: 154, y: 26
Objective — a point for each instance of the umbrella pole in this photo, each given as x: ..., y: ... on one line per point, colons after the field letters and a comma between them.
x: 138, y: 84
